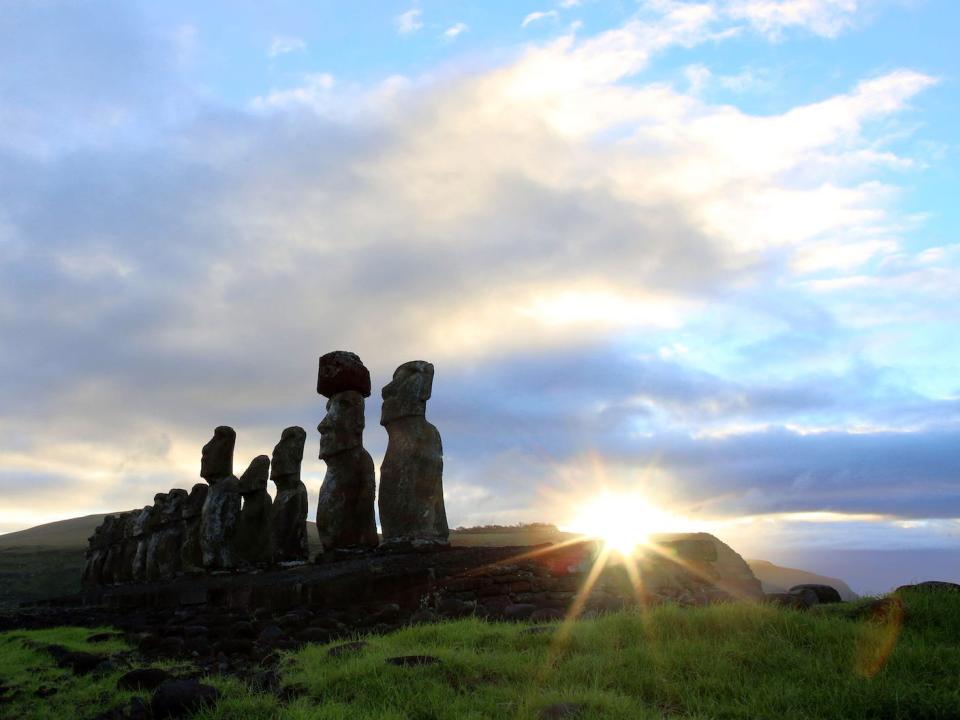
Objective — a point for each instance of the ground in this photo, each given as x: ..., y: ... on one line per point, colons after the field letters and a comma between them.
x: 728, y: 661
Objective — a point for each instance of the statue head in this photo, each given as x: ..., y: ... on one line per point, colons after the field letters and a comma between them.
x: 255, y: 477
x: 172, y: 506
x: 287, y: 456
x: 408, y: 392
x: 217, y: 459
x: 193, y: 505
x: 342, y: 427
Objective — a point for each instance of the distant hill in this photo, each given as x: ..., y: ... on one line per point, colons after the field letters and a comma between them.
x: 775, y: 578
x: 47, y: 560
x: 63, y: 534
x: 44, y: 561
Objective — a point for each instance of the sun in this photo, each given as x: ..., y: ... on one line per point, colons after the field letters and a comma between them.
x: 624, y: 521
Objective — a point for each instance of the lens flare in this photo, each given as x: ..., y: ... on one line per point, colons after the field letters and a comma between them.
x: 624, y: 521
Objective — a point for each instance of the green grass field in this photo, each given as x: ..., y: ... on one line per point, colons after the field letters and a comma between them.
x: 731, y: 661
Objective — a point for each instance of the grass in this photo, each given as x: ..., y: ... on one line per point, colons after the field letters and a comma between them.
x: 732, y: 661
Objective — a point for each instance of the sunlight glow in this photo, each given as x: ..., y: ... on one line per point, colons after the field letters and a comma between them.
x: 624, y: 521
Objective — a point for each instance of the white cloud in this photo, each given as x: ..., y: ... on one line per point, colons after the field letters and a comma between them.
x: 822, y: 17
x: 537, y: 16
x: 409, y: 21
x: 455, y: 30
x: 283, y: 44
x: 313, y: 93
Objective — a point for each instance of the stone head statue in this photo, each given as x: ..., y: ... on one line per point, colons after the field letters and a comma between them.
x: 408, y: 392
x: 287, y: 456
x: 172, y: 508
x: 217, y: 459
x: 193, y: 505
x: 342, y: 427
x: 255, y: 477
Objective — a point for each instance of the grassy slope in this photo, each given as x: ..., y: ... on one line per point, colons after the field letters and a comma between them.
x: 735, y: 661
x: 44, y: 561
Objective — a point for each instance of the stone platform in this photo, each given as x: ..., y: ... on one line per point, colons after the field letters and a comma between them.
x: 492, y: 582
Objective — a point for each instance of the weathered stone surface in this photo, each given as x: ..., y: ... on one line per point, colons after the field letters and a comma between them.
x: 221, y: 509
x: 143, y: 679
x: 81, y: 663
x: 931, y: 586
x: 111, y: 551
x: 254, y: 541
x: 411, y: 476
x: 345, y: 511
x: 346, y: 649
x: 341, y: 371
x: 180, y: 698
x: 164, y: 544
x: 820, y: 594
x: 216, y: 459
x: 143, y: 525
x: 191, y: 555
x: 797, y: 602
x: 289, y: 512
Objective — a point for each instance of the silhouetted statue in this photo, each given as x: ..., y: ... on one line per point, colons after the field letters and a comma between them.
x: 411, y: 475
x: 164, y: 545
x: 345, y: 511
x: 221, y: 509
x: 191, y: 555
x: 289, y: 512
x: 254, y: 540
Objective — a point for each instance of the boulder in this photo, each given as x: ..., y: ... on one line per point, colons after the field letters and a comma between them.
x: 931, y: 586
x: 820, y: 594
x: 180, y: 698
x: 143, y: 679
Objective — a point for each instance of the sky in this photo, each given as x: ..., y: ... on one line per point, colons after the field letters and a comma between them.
x: 702, y: 250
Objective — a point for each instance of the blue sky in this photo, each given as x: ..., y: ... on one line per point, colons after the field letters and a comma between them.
x: 702, y: 250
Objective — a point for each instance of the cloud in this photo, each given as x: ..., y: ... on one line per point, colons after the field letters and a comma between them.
x: 821, y: 17
x: 455, y: 30
x: 537, y: 16
x: 541, y: 230
x: 284, y: 44
x: 409, y: 21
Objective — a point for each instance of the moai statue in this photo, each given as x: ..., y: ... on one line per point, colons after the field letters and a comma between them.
x: 191, y: 556
x: 112, y: 570
x: 411, y: 476
x: 164, y: 546
x: 345, y: 512
x: 97, y: 548
x: 143, y: 525
x: 148, y: 540
x: 128, y: 546
x: 289, y: 513
x: 254, y: 541
x: 221, y: 509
